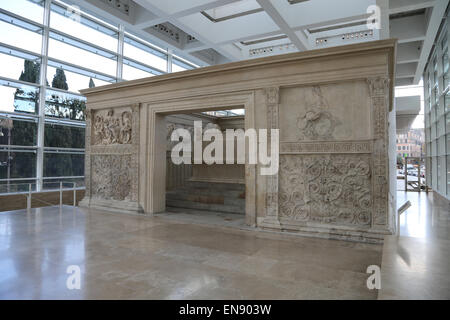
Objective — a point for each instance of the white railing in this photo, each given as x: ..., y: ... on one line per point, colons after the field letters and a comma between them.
x: 400, y: 210
x: 31, y: 192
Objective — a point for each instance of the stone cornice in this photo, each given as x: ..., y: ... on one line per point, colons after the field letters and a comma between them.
x: 245, y: 66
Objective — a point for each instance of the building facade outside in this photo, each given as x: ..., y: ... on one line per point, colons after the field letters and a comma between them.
x: 411, y: 143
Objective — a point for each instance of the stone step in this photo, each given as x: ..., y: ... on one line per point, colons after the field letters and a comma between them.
x: 231, y: 194
x: 215, y: 185
x: 198, y: 195
x: 224, y: 197
x: 238, y: 209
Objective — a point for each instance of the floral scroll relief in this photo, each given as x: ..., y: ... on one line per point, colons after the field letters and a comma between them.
x: 326, y: 189
x: 111, y: 177
x: 111, y: 129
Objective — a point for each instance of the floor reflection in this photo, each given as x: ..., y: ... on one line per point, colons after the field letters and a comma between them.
x: 139, y: 257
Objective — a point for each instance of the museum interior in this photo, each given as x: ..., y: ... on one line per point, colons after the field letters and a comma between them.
x: 225, y: 149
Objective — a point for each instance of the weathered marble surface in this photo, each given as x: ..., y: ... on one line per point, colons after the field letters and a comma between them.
x: 112, y: 147
x: 333, y: 108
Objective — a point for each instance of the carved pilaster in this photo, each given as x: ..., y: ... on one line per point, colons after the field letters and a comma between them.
x: 272, y: 103
x: 87, y: 157
x: 135, y: 152
x: 379, y: 95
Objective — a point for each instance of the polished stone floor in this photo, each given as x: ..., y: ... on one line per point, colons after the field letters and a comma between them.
x: 199, y: 255
x: 137, y: 257
x: 416, y: 264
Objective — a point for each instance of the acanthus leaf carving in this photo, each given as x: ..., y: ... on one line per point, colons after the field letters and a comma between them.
x: 333, y: 189
x: 378, y: 86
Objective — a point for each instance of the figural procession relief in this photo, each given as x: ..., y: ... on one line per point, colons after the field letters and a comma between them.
x: 112, y: 170
x: 112, y: 128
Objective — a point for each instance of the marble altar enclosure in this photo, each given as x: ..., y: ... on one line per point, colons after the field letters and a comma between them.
x: 334, y: 110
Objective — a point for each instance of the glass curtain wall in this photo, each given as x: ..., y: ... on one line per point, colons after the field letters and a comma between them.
x: 437, y: 115
x: 49, y: 51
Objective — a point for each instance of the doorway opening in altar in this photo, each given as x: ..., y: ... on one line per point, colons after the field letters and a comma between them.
x: 200, y: 190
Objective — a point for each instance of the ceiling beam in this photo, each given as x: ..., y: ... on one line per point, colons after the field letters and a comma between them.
x: 154, y: 9
x: 300, y: 42
x: 182, y: 13
x: 397, y: 6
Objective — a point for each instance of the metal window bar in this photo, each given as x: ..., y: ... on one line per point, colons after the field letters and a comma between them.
x: 44, y: 29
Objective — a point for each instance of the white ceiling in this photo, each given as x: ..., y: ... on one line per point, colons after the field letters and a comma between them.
x: 218, y: 31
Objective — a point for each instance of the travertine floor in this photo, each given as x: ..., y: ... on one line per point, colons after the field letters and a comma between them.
x: 136, y: 257
x: 416, y: 264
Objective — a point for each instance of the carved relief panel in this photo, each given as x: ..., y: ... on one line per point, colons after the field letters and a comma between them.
x: 114, y: 154
x: 329, y: 112
x: 112, y: 127
x: 112, y: 177
x: 332, y: 189
x: 333, y: 155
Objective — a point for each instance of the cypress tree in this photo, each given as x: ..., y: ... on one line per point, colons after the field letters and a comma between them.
x: 30, y: 71
x: 91, y: 83
x: 22, y: 99
x: 59, y: 80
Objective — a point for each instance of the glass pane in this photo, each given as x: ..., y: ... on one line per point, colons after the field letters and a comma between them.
x: 61, y: 136
x: 17, y: 164
x: 52, y: 184
x: 441, y: 145
x: 448, y: 143
x: 445, y: 60
x: 447, y: 102
x: 130, y: 73
x: 19, y: 66
x: 434, y: 172
x: 447, y: 130
x: 32, y: 10
x: 18, y: 97
x: 433, y: 114
x: 63, y: 164
x: 442, y: 173
x: 77, y: 70
x: 64, y: 105
x: 446, y: 80
x: 180, y: 65
x: 71, y: 22
x: 80, y: 57
x: 75, y: 82
x: 177, y: 68
x: 17, y: 186
x: 440, y: 126
x: 17, y: 132
x: 145, y: 54
x: 20, y: 37
x: 448, y: 176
